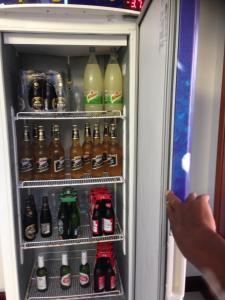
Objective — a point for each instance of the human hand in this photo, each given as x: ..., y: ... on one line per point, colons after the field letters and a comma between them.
x: 190, y: 221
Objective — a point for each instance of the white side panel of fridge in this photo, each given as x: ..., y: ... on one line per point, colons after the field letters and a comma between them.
x: 158, y: 31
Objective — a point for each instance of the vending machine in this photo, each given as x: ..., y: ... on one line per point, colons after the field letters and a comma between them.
x: 156, y: 52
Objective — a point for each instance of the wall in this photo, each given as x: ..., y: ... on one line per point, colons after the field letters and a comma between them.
x: 207, y: 99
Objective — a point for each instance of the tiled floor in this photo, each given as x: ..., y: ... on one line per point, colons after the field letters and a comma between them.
x: 193, y: 296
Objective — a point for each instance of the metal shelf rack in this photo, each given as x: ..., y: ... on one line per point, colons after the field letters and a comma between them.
x: 70, y: 182
x: 80, y: 115
x: 75, y: 292
x: 85, y: 237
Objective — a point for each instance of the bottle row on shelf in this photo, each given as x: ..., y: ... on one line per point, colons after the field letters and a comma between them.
x: 101, y: 215
x: 104, y: 275
x: 41, y: 162
x: 51, y: 91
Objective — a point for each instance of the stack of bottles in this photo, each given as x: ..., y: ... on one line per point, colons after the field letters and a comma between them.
x: 101, y: 212
x: 42, y: 91
x: 68, y: 221
x: 39, y: 161
x: 65, y: 272
x: 105, y: 271
x: 47, y: 91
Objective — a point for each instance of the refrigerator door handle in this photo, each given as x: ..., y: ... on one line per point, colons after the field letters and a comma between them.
x: 176, y: 271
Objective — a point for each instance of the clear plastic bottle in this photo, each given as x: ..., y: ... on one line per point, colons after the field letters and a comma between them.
x: 93, y: 84
x: 113, y: 85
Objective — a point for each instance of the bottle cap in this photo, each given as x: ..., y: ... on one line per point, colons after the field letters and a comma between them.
x: 84, y: 257
x: 41, y: 263
x: 64, y: 259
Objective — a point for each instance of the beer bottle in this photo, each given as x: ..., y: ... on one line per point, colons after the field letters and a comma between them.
x: 97, y: 220
x: 87, y: 149
x: 37, y: 94
x: 33, y: 206
x: 84, y: 270
x: 74, y: 221
x: 57, y: 155
x: 108, y: 220
x: 99, y: 277
x: 42, y: 157
x: 115, y: 159
x: 29, y: 224
x: 65, y: 273
x: 76, y: 155
x: 35, y: 137
x: 105, y: 145
x: 26, y: 158
x: 110, y: 277
x: 97, y: 154
x: 41, y: 275
x: 63, y: 222
x: 45, y: 219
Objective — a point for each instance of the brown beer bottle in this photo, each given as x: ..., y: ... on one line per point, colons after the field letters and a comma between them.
x: 42, y: 169
x: 97, y: 163
x: 87, y: 149
x: 105, y: 145
x: 115, y: 159
x: 26, y: 158
x: 76, y: 155
x: 57, y: 155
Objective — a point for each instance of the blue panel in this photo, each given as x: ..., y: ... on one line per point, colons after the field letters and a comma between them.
x: 185, y: 82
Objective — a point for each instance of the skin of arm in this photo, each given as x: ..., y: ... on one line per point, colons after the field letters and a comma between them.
x: 194, y: 230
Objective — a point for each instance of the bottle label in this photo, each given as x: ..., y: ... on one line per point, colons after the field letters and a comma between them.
x: 30, y: 232
x: 66, y: 280
x: 113, y: 160
x: 59, y: 164
x: 59, y: 104
x: 26, y: 165
x: 101, y: 282
x: 42, y: 283
x: 60, y: 227
x: 77, y: 163
x: 87, y: 158
x: 92, y: 97
x: 37, y: 103
x: 113, y: 97
x: 97, y: 162
x: 42, y: 165
x: 45, y: 228
x: 84, y: 278
x: 105, y: 156
x: 95, y: 226
x: 112, y: 282
x: 108, y: 225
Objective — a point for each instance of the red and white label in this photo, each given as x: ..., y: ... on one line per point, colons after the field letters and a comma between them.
x: 95, y: 226
x: 66, y: 280
x: 101, y: 283
x: 84, y: 278
x: 108, y: 225
x: 112, y: 282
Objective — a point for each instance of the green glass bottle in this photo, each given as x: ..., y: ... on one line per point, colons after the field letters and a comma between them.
x: 84, y: 270
x: 41, y: 275
x: 65, y: 273
x: 74, y: 221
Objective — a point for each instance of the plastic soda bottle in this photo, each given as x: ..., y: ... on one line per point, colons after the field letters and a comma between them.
x: 113, y: 84
x: 93, y: 84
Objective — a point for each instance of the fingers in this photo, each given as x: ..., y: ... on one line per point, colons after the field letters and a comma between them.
x: 191, y: 197
x: 172, y: 200
x: 204, y: 197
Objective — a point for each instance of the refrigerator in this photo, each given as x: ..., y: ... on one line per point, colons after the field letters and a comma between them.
x: 157, y: 54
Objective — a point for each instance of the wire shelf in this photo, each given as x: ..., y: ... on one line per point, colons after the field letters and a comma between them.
x: 70, y: 182
x: 85, y: 237
x: 81, y: 115
x: 75, y: 292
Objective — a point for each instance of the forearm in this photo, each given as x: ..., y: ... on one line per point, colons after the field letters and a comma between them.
x: 210, y: 255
